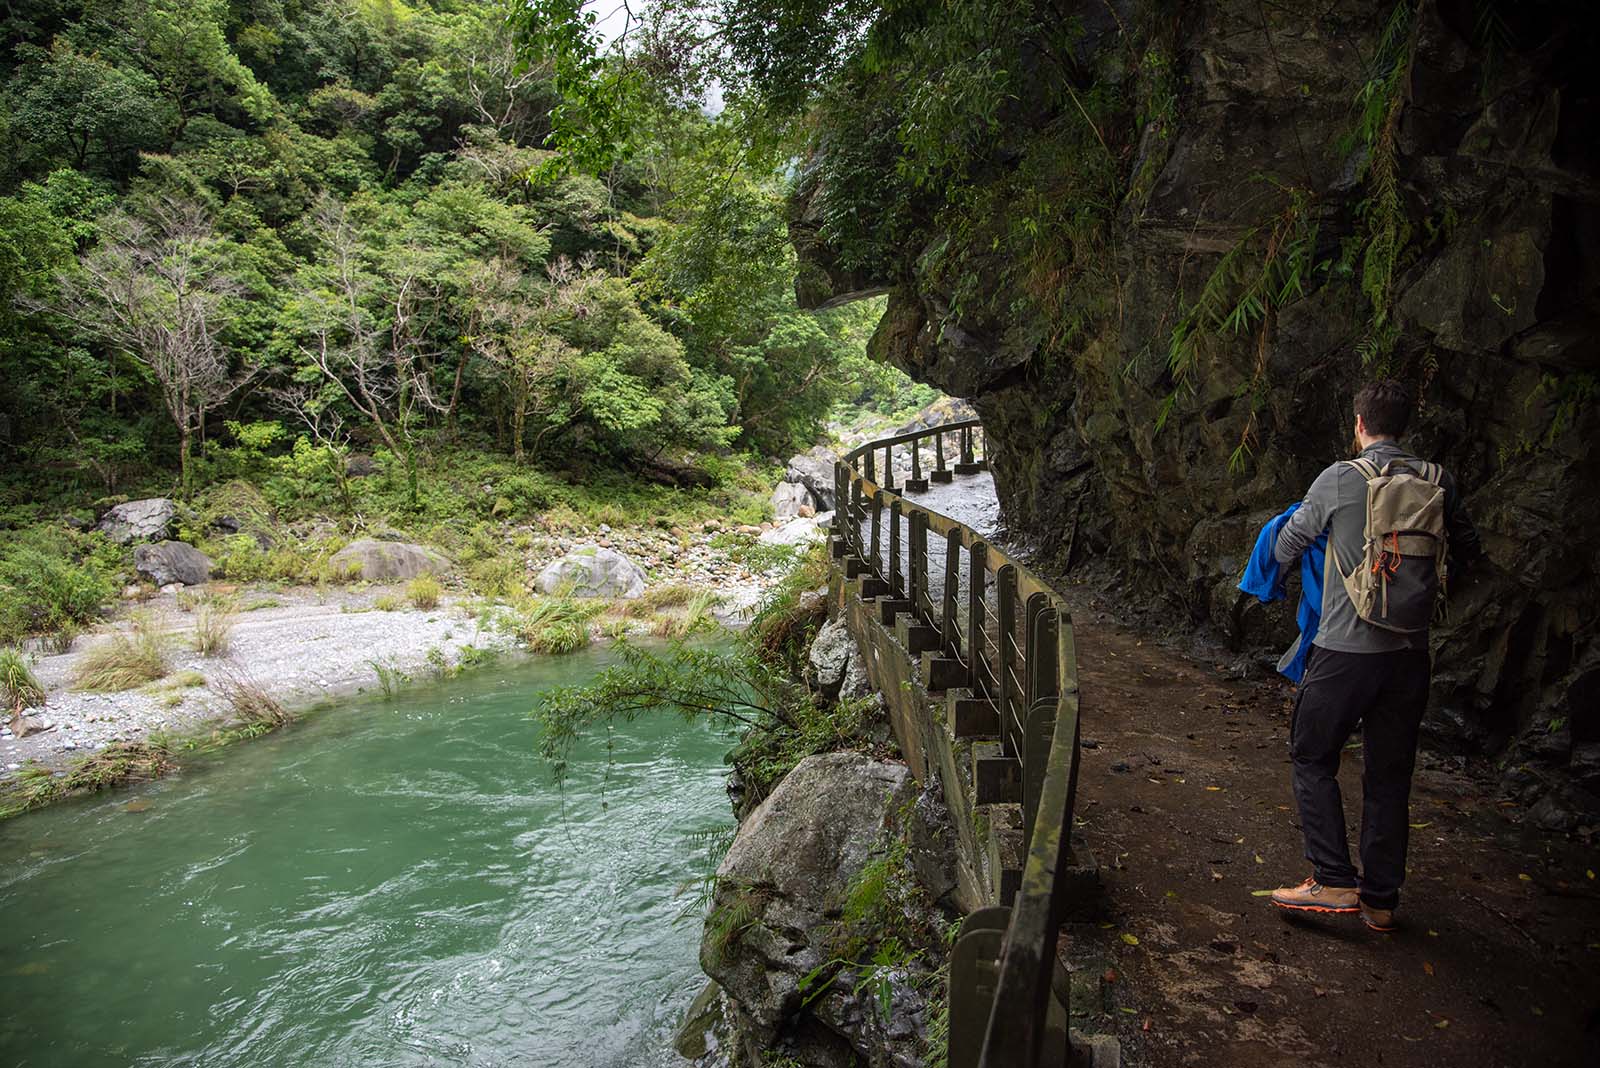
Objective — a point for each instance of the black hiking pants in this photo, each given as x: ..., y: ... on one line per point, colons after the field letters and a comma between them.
x: 1385, y: 695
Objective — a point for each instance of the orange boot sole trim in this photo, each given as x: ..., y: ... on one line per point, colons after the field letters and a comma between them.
x: 1336, y: 909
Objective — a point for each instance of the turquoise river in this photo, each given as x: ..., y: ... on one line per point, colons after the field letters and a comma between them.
x: 385, y: 883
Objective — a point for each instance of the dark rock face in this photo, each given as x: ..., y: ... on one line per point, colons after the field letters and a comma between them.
x: 172, y: 561
x: 1109, y: 453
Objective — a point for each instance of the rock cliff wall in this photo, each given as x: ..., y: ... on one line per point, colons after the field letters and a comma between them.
x: 1183, y: 250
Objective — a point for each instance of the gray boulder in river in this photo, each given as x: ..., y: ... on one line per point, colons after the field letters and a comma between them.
x: 814, y: 471
x: 784, y: 878
x: 172, y: 561
x: 593, y: 571
x: 146, y: 520
x: 388, y: 561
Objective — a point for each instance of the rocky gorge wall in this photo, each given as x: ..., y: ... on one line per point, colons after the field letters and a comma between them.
x: 1163, y: 341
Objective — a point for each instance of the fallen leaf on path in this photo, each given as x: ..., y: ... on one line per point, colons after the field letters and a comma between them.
x: 1590, y: 873
x: 1537, y: 1011
x: 1132, y: 940
x: 1524, y: 877
x: 1261, y: 893
x: 1442, y: 1024
x: 1146, y: 1026
x: 1427, y: 966
x: 1259, y: 860
x: 1213, y: 788
x: 1130, y: 1012
x: 1419, y: 826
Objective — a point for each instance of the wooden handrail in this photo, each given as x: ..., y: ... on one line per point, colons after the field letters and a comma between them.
x: 1034, y: 686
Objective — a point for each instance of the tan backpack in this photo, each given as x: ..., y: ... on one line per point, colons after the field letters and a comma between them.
x: 1397, y: 583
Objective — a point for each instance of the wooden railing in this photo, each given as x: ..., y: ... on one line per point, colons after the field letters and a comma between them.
x: 982, y: 623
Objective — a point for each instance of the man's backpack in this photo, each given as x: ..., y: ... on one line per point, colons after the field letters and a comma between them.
x: 1402, y: 570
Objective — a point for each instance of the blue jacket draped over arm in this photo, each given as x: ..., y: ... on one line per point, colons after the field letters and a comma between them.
x: 1263, y: 578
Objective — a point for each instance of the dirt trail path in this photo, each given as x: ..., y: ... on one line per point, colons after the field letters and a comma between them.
x: 1184, y: 798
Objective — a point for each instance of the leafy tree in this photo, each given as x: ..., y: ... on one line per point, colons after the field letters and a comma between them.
x: 82, y: 111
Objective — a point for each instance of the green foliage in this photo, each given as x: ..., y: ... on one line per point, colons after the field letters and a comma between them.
x: 424, y: 592
x: 784, y: 622
x: 19, y: 687
x: 53, y: 580
x: 554, y: 625
x: 117, y: 764
x: 124, y: 660
x: 1270, y: 266
x: 1379, y: 103
x: 390, y: 677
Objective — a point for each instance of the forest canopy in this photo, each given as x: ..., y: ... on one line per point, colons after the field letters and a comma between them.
x: 356, y: 225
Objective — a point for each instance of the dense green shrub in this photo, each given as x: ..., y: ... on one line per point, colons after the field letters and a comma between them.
x: 52, y: 580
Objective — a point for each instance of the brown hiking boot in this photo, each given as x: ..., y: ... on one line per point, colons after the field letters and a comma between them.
x: 1312, y: 896
x: 1378, y: 919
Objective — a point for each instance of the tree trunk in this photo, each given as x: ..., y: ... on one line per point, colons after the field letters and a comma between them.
x: 184, y: 434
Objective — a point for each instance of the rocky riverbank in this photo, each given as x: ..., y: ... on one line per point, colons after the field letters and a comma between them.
x: 308, y: 645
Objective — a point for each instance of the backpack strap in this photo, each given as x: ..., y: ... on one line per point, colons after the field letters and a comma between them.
x: 1428, y: 472
x: 1368, y: 469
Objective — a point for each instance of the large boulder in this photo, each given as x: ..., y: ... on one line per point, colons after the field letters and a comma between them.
x: 814, y: 471
x: 172, y: 561
x: 834, y: 669
x: 784, y: 880
x: 387, y: 561
x: 593, y: 571
x: 792, y: 499
x: 800, y: 530
x: 146, y: 520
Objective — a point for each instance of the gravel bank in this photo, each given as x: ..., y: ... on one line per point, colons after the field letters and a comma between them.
x: 307, y: 646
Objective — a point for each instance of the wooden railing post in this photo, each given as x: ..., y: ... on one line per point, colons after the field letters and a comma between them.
x: 949, y: 621
x: 1006, y: 657
x: 916, y: 483
x: 855, y: 515
x: 919, y: 566
x: 977, y: 610
x: 876, y: 562
x: 897, y: 586
x: 888, y: 468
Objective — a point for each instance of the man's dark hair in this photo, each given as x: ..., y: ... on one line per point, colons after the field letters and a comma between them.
x: 1385, y: 408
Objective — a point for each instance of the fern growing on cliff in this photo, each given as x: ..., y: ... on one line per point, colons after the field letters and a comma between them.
x: 1270, y: 266
x: 1379, y: 103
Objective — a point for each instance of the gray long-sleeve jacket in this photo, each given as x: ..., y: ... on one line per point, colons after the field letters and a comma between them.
x: 1337, y: 503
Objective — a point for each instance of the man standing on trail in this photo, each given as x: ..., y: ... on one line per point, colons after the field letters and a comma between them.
x: 1392, y: 522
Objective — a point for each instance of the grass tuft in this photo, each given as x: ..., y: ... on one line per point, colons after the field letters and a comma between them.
x: 249, y: 701
x: 424, y: 592
x: 550, y: 624
x: 124, y: 660
x: 19, y: 687
x: 213, y: 626
x: 115, y: 765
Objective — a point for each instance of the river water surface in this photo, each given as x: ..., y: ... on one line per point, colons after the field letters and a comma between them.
x: 386, y: 883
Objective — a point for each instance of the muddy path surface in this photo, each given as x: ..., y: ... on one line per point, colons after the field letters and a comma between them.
x: 1184, y: 799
